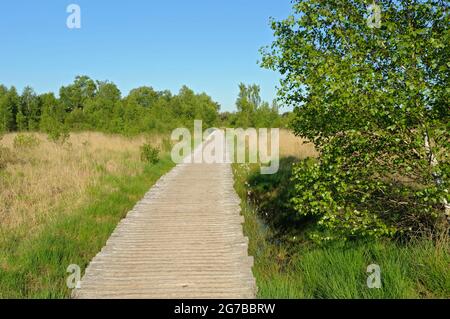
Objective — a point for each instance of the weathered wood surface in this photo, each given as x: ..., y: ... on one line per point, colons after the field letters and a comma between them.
x: 184, y: 239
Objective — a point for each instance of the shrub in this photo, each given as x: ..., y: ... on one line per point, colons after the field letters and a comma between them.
x: 58, y: 134
x: 149, y: 154
x: 26, y: 141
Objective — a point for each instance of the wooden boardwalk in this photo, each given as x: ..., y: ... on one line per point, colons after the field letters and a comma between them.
x: 184, y: 239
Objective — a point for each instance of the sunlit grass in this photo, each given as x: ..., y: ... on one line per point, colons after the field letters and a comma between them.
x: 50, y: 178
x: 99, y: 178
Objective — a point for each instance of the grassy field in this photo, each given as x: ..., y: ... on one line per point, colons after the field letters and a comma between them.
x: 287, y: 265
x: 59, y: 204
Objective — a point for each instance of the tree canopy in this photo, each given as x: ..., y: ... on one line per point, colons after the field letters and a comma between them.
x: 98, y: 105
x: 252, y: 111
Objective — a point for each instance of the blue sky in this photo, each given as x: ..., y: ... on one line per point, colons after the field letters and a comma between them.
x: 209, y: 45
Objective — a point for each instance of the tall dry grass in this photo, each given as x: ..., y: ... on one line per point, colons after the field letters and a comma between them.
x: 49, y: 179
x: 291, y: 145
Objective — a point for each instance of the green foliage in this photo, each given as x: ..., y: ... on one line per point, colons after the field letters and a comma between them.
x: 337, y: 205
x: 252, y: 111
x: 149, y: 154
x: 98, y: 105
x: 58, y: 134
x: 98, y: 112
x: 21, y: 121
x: 247, y: 103
x: 74, y: 96
x: 369, y: 99
x: 187, y: 106
x: 29, y: 112
x: 9, y: 105
x: 25, y: 141
x: 295, y: 268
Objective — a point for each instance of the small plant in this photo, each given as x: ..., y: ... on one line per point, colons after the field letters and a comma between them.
x: 58, y: 134
x: 25, y: 141
x: 149, y: 154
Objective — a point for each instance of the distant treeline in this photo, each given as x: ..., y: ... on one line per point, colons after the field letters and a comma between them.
x: 98, y: 105
x: 253, y: 112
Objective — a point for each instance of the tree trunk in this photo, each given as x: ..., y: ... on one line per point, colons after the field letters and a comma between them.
x: 437, y: 179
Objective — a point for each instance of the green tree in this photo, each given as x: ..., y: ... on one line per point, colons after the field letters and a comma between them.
x: 130, y: 116
x: 74, y: 96
x: 267, y: 116
x: 89, y: 105
x: 207, y: 109
x: 141, y: 109
x: 188, y: 106
x: 29, y: 112
x: 375, y: 103
x: 184, y: 104
x: 3, y: 111
x: 100, y: 109
x: 252, y: 111
x: 53, y: 113
x: 247, y: 103
x: 9, y: 105
x: 143, y: 96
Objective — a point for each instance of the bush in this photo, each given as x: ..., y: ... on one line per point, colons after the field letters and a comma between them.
x: 58, y: 134
x: 324, y: 194
x: 149, y: 154
x: 26, y: 141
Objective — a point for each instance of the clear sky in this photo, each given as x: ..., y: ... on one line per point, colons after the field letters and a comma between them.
x: 209, y: 45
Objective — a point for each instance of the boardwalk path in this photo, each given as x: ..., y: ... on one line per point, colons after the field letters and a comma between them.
x: 182, y: 240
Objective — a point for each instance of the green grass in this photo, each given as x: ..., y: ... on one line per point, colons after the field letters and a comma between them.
x: 300, y: 269
x: 35, y: 266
